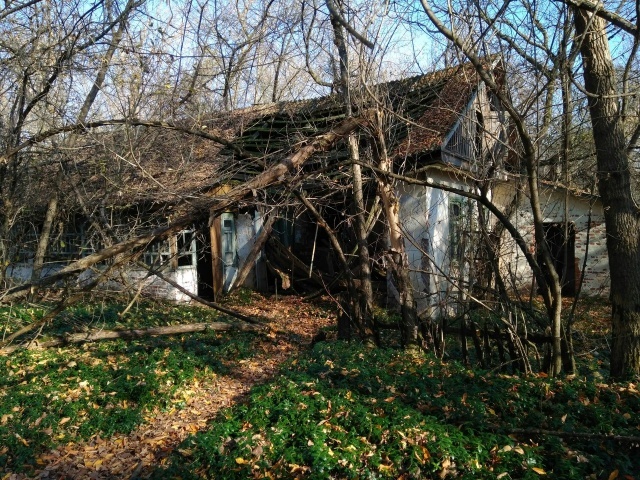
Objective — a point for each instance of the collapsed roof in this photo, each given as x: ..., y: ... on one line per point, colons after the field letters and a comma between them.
x: 135, y: 165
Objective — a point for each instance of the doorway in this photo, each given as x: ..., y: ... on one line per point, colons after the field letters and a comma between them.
x: 205, y: 262
x: 561, y: 238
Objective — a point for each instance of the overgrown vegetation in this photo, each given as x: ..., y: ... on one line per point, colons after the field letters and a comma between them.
x: 344, y: 411
x: 337, y: 410
x: 49, y: 397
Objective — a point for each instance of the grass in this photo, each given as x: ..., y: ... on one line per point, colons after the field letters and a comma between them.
x: 55, y: 396
x: 343, y: 411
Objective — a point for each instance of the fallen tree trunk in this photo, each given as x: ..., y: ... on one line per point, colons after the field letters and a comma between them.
x: 128, y: 334
x: 276, y: 174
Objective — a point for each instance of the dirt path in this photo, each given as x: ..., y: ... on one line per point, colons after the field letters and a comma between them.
x: 134, y: 455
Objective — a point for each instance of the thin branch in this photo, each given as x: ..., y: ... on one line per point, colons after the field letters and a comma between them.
x: 195, y: 297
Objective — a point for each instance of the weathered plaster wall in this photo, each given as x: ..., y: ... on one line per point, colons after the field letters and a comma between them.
x: 585, y: 212
x: 187, y: 277
x: 154, y: 287
x: 424, y: 214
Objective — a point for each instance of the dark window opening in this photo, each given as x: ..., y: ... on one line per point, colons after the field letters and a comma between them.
x: 186, y: 248
x: 561, y: 239
x: 479, y: 134
x: 204, y: 262
x: 456, y: 230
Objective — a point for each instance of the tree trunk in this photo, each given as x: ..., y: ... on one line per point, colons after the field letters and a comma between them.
x: 398, y: 255
x: 349, y: 302
x: 52, y: 206
x: 362, y: 313
x: 622, y: 217
x: 47, y: 226
x: 130, y: 334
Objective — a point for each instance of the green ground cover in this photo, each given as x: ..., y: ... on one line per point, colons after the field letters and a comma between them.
x: 336, y: 411
x: 54, y: 396
x: 343, y: 411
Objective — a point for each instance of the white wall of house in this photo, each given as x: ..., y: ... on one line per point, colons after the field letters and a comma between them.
x: 186, y: 277
x: 21, y: 272
x: 584, y: 212
x: 424, y: 214
x: 131, y: 279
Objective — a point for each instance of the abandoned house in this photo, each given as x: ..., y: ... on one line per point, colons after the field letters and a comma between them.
x: 445, y: 129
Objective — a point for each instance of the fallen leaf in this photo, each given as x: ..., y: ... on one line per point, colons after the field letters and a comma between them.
x: 614, y: 474
x: 539, y: 471
x: 64, y: 420
x: 39, y: 419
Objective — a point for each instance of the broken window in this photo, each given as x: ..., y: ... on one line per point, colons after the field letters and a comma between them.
x: 180, y: 251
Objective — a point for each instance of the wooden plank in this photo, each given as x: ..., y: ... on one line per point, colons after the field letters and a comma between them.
x: 216, y: 257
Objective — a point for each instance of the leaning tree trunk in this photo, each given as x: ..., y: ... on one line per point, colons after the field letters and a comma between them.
x: 622, y: 216
x: 398, y: 254
x: 47, y: 226
x: 362, y: 314
x: 274, y: 175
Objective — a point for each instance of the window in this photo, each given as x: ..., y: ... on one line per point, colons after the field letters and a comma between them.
x: 186, y: 247
x: 66, y: 242
x: 456, y: 230
x: 67, y: 246
x: 158, y: 253
x: 179, y: 250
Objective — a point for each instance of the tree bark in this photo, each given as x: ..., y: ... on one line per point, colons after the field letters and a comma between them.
x: 622, y: 216
x: 362, y: 313
x: 129, y: 334
x: 397, y: 252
